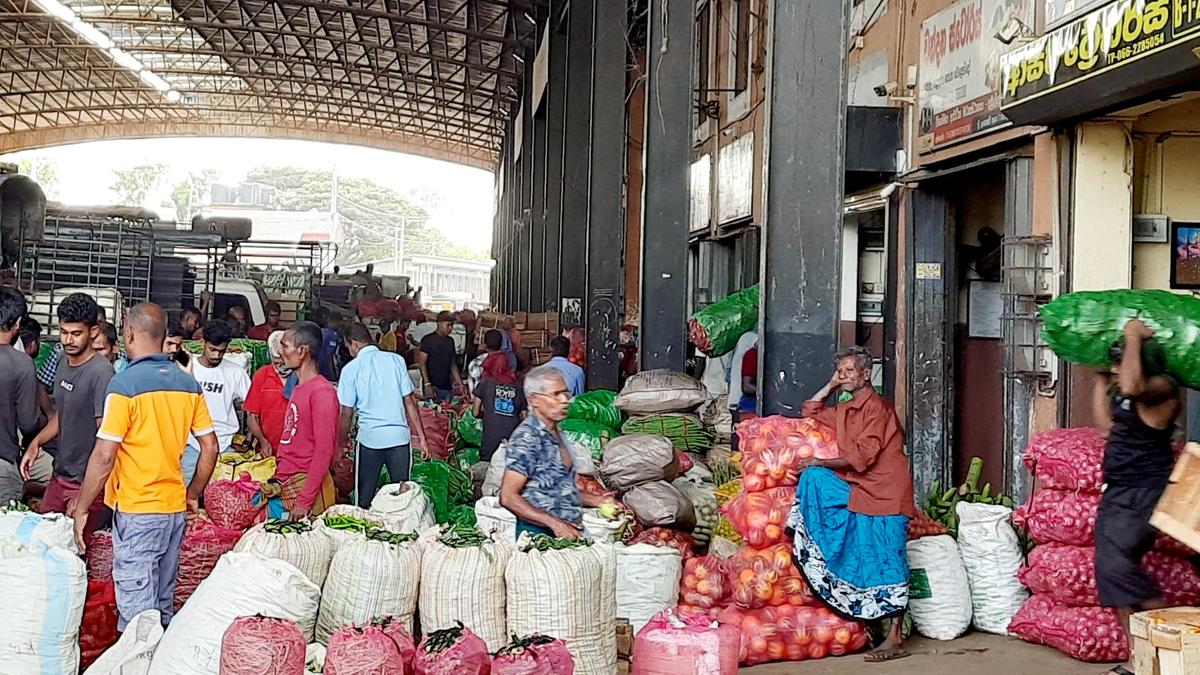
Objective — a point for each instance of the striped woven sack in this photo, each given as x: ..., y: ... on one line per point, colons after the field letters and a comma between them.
x: 311, y: 552
x: 570, y: 594
x: 464, y: 584
x: 367, y: 579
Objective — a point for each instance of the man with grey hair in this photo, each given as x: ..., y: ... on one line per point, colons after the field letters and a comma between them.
x: 539, y: 478
x: 851, y: 514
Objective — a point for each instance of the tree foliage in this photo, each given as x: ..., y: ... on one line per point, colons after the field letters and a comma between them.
x: 133, y: 185
x: 44, y: 172
x: 377, y: 219
x: 188, y: 194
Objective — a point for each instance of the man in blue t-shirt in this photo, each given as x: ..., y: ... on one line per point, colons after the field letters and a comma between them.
x: 331, y: 345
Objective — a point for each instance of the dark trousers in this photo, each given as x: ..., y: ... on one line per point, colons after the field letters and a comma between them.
x: 1123, y: 537
x: 370, y: 460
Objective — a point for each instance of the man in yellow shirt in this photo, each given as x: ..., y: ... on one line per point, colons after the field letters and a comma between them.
x: 149, y: 410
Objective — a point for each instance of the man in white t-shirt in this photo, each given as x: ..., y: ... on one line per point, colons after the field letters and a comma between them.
x: 224, y: 384
x: 418, y: 331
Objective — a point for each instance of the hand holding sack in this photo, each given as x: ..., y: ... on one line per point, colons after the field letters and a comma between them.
x: 262, y: 645
x: 678, y: 643
x: 379, y: 646
x: 452, y: 651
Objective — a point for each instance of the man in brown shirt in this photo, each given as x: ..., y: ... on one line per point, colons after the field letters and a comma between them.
x: 851, y: 514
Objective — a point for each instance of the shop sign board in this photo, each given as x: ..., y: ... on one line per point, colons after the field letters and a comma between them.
x: 1102, y: 41
x: 959, y: 80
x: 1059, y: 12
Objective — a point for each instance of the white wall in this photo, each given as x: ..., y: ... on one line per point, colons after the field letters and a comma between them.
x: 1103, y: 199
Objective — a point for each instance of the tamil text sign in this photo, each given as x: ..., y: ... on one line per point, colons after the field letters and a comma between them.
x: 959, y: 83
x: 1100, y: 41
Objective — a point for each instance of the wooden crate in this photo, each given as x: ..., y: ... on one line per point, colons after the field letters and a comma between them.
x: 546, y: 321
x: 535, y: 339
x: 624, y: 638
x: 1166, y: 641
x: 1178, y: 511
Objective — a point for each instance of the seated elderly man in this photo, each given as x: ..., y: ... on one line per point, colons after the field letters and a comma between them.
x: 851, y: 513
x: 539, y: 481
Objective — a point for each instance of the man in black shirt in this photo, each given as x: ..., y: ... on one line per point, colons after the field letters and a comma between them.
x: 437, y: 360
x: 1140, y: 403
x: 18, y: 396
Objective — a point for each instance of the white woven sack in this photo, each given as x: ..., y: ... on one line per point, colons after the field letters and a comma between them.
x: 571, y: 595
x: 404, y: 507
x: 600, y: 529
x: 314, y: 657
x: 51, y: 529
x: 242, y: 584
x: 464, y: 584
x: 44, y: 589
x: 495, y: 519
x: 647, y: 581
x: 652, y: 392
x: 992, y: 555
x: 309, y: 552
x: 367, y: 579
x: 342, y: 537
x: 939, y: 595
x: 635, y: 458
x: 134, y: 651
x: 495, y: 472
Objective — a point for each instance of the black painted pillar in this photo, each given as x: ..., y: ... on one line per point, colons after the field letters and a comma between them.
x: 606, y: 224
x: 933, y: 311
x: 556, y: 106
x: 576, y: 165
x: 511, y: 194
x: 802, y: 242
x: 666, y: 197
x: 525, y: 210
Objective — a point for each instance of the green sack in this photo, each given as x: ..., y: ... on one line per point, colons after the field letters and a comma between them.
x: 465, y: 458
x: 434, y: 477
x: 686, y: 432
x: 463, y: 516
x: 1082, y: 327
x: 716, y: 329
x: 597, y: 406
x: 588, y: 435
x: 470, y: 431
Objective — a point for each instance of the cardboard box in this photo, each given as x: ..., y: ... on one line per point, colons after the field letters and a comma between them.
x: 1166, y: 641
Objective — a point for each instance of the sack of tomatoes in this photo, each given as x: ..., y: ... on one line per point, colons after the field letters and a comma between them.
x: 665, y: 536
x: 773, y: 448
x: 705, y: 584
x: 767, y: 577
x: 761, y: 517
x: 793, y: 633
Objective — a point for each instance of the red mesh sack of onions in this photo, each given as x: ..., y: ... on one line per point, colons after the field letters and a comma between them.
x: 452, y: 651
x: 761, y: 517
x: 1067, y: 459
x: 773, y: 447
x: 1068, y: 575
x: 381, y: 646
x: 99, y: 555
x: 533, y: 655
x: 342, y: 469
x: 762, y: 577
x: 1092, y: 634
x: 705, y: 583
x: 262, y: 645
x: 1060, y: 517
x: 230, y: 503
x: 1172, y: 546
x: 679, y: 643
x: 924, y: 526
x: 590, y: 485
x: 98, y: 631
x: 203, y: 544
x: 665, y: 536
x: 793, y: 633
x: 439, y: 429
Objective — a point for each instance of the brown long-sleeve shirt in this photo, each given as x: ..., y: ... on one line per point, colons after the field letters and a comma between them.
x: 871, y: 440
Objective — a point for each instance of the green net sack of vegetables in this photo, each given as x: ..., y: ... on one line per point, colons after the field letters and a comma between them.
x: 465, y: 458
x: 470, y: 430
x: 445, y: 485
x: 686, y: 431
x: 462, y: 516
x: 716, y: 328
x: 1082, y: 328
x: 597, y: 406
x: 588, y: 435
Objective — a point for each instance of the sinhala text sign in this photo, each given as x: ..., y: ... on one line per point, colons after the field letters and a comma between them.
x: 1105, y: 39
x: 959, y: 84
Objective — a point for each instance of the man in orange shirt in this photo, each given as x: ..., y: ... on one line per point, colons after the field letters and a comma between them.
x: 851, y: 514
x: 149, y: 410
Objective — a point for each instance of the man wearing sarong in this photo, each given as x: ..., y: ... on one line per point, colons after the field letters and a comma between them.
x: 310, y: 428
x: 851, y: 514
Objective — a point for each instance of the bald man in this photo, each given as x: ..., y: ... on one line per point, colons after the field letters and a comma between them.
x: 149, y: 410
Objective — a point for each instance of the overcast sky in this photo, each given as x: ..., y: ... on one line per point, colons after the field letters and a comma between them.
x: 85, y: 172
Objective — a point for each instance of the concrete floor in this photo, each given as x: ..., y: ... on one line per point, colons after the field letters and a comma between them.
x: 973, y: 654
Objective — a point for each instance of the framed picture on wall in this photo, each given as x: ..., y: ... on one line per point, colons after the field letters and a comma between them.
x: 1185, y: 255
